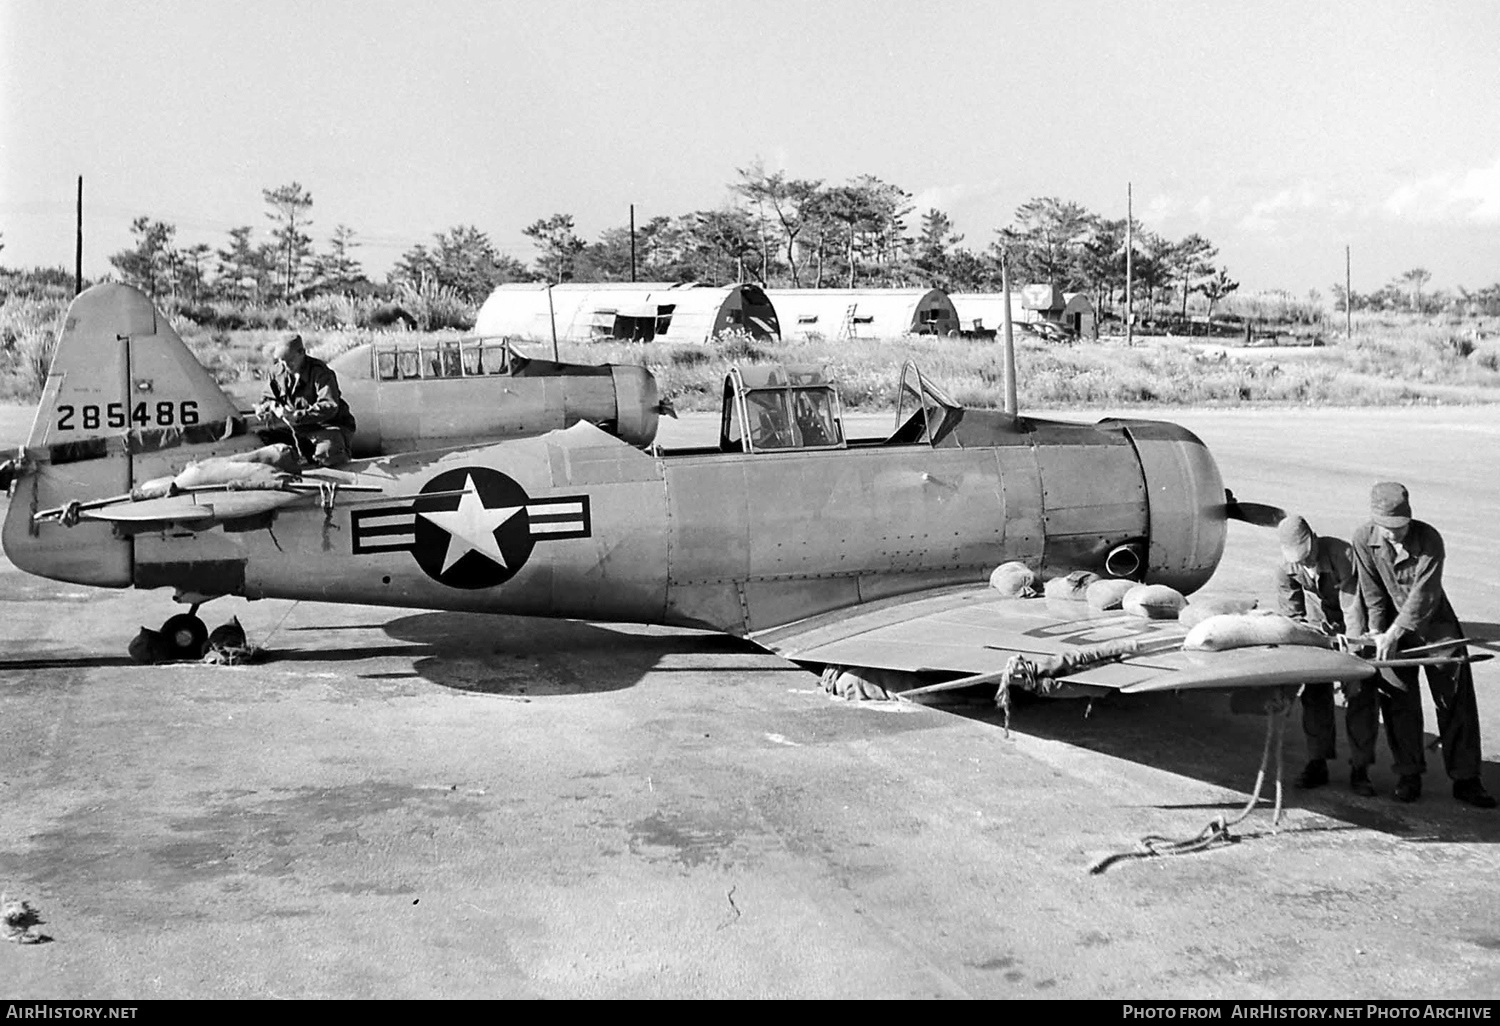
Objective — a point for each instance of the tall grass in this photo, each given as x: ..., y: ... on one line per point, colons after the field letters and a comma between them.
x: 1391, y: 358
x: 29, y: 327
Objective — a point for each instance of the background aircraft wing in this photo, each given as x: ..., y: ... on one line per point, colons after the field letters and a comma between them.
x: 973, y: 631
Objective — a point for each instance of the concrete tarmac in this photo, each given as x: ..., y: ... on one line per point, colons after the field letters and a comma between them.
x: 400, y: 803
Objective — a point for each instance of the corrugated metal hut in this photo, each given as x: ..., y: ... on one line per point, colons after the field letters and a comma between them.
x: 1078, y: 315
x: 863, y: 313
x: 984, y: 312
x: 1070, y: 311
x: 641, y: 311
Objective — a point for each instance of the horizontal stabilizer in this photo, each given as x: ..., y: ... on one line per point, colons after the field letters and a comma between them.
x: 181, y: 509
x: 196, y: 511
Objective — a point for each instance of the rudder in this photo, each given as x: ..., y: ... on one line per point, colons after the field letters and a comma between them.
x: 124, y: 397
x: 119, y: 366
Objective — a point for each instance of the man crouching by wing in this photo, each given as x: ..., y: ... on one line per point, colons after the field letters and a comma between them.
x: 1400, y: 566
x: 302, y: 400
x: 1316, y: 584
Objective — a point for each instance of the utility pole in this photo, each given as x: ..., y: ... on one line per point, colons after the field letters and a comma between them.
x: 1008, y: 336
x: 632, y: 242
x: 1129, y: 266
x: 552, y: 316
x: 1349, y: 302
x: 78, y: 249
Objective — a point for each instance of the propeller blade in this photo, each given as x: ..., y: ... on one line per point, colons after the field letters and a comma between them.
x: 1257, y: 514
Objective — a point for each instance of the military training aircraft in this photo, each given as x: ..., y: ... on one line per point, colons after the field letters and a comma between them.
x: 867, y: 554
x: 420, y: 393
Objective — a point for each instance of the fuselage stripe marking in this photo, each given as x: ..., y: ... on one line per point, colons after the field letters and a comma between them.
x: 394, y: 544
x: 369, y: 523
x: 560, y: 527
x: 365, y: 531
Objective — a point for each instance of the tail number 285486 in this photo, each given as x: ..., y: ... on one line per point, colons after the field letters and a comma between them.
x: 161, y: 414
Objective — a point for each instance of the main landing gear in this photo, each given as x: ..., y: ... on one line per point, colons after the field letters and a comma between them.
x: 185, y: 634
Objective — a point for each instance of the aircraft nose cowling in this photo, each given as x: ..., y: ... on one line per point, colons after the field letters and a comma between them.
x: 637, y: 404
x: 1185, y: 498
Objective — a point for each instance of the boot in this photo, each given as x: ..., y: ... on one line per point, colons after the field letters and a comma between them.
x: 1359, y: 782
x: 1472, y: 792
x: 1409, y: 788
x: 1314, y: 774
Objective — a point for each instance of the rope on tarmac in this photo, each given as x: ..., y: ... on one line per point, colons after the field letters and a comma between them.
x: 267, y: 639
x: 1217, y: 833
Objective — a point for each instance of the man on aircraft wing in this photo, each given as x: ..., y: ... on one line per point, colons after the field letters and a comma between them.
x: 1400, y: 565
x: 1316, y: 585
x: 303, y: 394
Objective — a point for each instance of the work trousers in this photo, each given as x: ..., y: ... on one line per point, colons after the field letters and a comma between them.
x: 1361, y: 722
x: 1452, y: 689
x: 323, y: 446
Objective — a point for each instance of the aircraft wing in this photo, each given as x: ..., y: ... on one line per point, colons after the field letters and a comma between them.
x: 973, y: 631
x: 196, y: 511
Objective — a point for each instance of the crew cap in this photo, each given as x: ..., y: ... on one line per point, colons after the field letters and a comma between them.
x: 1390, y: 506
x: 1296, y: 539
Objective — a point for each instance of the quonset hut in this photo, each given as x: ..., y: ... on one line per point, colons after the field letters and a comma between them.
x: 638, y: 311
x: 982, y: 313
x: 863, y: 313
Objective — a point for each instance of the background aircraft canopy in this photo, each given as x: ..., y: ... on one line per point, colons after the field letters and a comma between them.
x: 776, y: 407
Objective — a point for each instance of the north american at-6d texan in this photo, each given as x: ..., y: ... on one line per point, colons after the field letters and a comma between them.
x: 863, y: 554
x: 413, y: 393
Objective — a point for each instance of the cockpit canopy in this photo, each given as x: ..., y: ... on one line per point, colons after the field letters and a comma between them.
x: 775, y: 408
x: 924, y: 412
x: 414, y: 359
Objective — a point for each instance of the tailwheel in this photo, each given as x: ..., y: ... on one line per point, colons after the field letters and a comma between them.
x: 185, y: 636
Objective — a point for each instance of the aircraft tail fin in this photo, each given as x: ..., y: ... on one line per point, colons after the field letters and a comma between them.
x: 120, y: 368
x: 124, y: 399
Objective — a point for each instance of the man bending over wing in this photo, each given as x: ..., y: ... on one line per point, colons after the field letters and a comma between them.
x: 1400, y: 565
x: 1317, y: 585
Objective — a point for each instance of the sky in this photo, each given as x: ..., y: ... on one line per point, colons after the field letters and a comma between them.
x: 1282, y: 132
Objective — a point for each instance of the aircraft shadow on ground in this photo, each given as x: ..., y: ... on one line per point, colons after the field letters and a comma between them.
x: 512, y: 655
x: 1196, y: 736
x: 79, y: 662
x: 1192, y: 735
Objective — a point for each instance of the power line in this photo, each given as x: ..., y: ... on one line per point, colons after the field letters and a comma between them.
x: 110, y: 213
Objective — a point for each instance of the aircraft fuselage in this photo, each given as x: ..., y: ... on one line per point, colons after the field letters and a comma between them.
x: 578, y: 524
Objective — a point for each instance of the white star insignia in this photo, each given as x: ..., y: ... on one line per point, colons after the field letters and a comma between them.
x: 472, y: 527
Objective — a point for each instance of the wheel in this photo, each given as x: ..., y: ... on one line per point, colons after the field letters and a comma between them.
x: 185, y: 635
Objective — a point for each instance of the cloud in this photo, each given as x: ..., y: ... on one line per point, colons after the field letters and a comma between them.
x: 1160, y: 207
x: 1472, y: 195
x: 948, y: 198
x: 1267, y: 215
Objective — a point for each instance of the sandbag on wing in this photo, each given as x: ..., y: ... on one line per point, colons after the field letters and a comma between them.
x: 231, y: 475
x: 1244, y: 630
